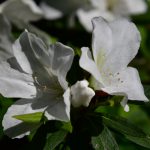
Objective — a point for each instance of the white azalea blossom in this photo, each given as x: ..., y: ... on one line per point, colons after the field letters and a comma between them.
x: 114, y: 45
x: 21, y: 12
x: 81, y: 94
x: 110, y: 10
x: 30, y: 11
x: 56, y: 9
x: 38, y: 76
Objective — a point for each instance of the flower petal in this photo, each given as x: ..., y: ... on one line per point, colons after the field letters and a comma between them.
x: 61, y: 109
x: 39, y: 48
x: 89, y: 65
x: 126, y: 83
x: 85, y: 17
x: 101, y: 4
x: 15, y: 128
x: 61, y: 57
x: 128, y: 7
x: 21, y: 58
x: 26, y: 58
x: 67, y: 7
x: 5, y: 39
x: 15, y: 84
x: 28, y: 11
x: 126, y: 41
x: 49, y: 12
x: 136, y: 6
x: 55, y: 61
x: 101, y: 40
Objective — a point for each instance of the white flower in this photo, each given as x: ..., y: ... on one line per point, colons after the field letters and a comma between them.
x: 38, y: 76
x: 81, y: 94
x: 21, y: 12
x: 110, y: 9
x: 54, y: 9
x: 114, y: 45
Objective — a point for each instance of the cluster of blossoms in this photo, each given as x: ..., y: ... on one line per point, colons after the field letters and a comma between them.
x: 110, y: 10
x: 36, y: 73
x: 85, y: 10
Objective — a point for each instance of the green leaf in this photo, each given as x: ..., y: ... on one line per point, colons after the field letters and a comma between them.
x: 67, y: 126
x: 147, y: 91
x: 123, y: 126
x: 144, y: 47
x: 30, y: 118
x: 105, y: 141
x: 145, y: 142
x: 131, y: 131
x: 54, y: 139
x: 4, y: 104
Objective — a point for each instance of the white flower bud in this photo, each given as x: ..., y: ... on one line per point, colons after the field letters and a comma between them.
x: 81, y: 94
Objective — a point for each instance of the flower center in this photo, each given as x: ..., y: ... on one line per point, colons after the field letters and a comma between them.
x: 111, y: 4
x: 55, y: 90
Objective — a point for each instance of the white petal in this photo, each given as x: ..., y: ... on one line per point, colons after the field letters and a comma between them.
x: 125, y: 44
x: 129, y: 7
x: 101, y: 4
x: 81, y: 94
x: 61, y: 57
x: 34, y: 50
x: 61, y: 109
x: 5, y: 39
x: 94, y: 83
x: 136, y: 6
x: 55, y: 61
x: 15, y: 84
x: 126, y: 83
x: 66, y: 6
x: 21, y: 58
x: 15, y: 128
x: 89, y: 65
x: 39, y: 48
x: 85, y: 17
x: 29, y: 62
x: 101, y: 40
x: 39, y: 32
x: 49, y: 66
x: 28, y: 11
x: 32, y: 5
x: 50, y: 12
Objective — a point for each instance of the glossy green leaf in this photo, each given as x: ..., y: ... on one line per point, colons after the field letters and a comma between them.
x: 67, y: 126
x: 145, y: 142
x: 54, y: 139
x: 30, y: 118
x: 105, y: 141
x: 147, y: 91
x: 123, y: 126
x: 4, y: 104
x: 131, y: 131
x: 144, y: 48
